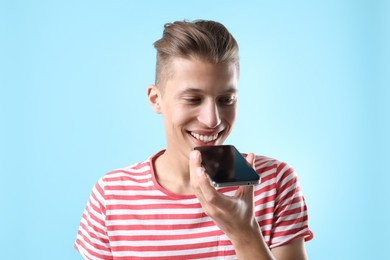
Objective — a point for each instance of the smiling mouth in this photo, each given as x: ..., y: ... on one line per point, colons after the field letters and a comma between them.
x: 205, y: 138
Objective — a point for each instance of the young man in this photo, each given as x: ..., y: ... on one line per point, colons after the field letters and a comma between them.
x: 165, y: 207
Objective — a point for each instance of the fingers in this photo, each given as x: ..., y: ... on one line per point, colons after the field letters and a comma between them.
x: 245, y: 193
x: 229, y: 213
x: 195, y: 160
x: 197, y: 174
x: 208, y: 196
x: 250, y: 158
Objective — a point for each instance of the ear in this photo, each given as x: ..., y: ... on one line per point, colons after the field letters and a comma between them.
x: 154, y: 98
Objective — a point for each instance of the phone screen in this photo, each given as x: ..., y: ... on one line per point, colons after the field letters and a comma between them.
x: 226, y: 166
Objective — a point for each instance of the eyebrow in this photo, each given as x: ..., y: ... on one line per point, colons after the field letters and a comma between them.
x: 198, y: 91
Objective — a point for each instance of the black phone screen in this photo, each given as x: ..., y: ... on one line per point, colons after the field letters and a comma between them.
x: 226, y: 166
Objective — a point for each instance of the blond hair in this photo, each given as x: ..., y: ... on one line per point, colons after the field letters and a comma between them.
x: 206, y: 40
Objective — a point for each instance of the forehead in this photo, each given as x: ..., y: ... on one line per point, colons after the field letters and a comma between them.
x: 201, y: 76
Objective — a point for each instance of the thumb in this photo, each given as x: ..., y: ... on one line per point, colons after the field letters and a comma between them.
x: 195, y: 165
x: 195, y: 159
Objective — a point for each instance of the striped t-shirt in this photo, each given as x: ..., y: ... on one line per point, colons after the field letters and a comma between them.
x: 130, y: 216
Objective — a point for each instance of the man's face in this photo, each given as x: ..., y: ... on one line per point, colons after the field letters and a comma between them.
x: 198, y: 104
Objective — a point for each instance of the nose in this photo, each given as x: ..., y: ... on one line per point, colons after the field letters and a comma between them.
x: 209, y: 114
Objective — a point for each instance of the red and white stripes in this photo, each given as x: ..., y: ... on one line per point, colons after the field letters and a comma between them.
x: 129, y: 215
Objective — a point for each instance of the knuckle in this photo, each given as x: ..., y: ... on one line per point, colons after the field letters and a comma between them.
x: 213, y: 199
x: 213, y: 213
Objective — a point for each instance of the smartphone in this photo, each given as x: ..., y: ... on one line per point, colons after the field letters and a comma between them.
x: 225, y: 166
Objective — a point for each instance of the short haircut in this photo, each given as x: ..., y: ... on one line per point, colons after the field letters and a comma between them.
x: 209, y: 41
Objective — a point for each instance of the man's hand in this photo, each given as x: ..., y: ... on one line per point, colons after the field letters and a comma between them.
x: 233, y: 215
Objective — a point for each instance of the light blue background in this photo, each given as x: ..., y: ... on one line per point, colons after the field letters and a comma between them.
x: 314, y: 91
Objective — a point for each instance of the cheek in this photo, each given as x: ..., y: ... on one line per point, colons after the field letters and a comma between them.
x: 229, y: 114
x: 181, y: 115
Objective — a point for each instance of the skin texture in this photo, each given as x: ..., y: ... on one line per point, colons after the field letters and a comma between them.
x: 200, y: 98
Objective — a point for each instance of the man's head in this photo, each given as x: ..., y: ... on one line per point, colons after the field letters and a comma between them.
x: 197, y: 74
x: 208, y: 41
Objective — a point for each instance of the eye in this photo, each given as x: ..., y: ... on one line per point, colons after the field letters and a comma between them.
x: 192, y: 100
x: 228, y: 100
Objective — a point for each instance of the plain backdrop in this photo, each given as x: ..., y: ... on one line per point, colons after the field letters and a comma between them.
x: 314, y: 92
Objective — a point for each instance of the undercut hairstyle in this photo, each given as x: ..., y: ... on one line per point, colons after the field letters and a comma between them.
x: 208, y: 41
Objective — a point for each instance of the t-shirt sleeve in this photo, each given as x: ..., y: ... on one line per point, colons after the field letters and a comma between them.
x: 290, y: 213
x: 92, y: 241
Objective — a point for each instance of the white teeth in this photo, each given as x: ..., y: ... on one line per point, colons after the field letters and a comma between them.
x: 205, y: 138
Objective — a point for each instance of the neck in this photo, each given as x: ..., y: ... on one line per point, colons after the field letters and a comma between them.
x: 172, y: 173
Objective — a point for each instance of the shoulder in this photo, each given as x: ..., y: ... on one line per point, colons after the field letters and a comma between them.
x: 264, y: 163
x: 133, y: 178
x: 137, y: 171
x: 134, y: 174
x: 273, y: 169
